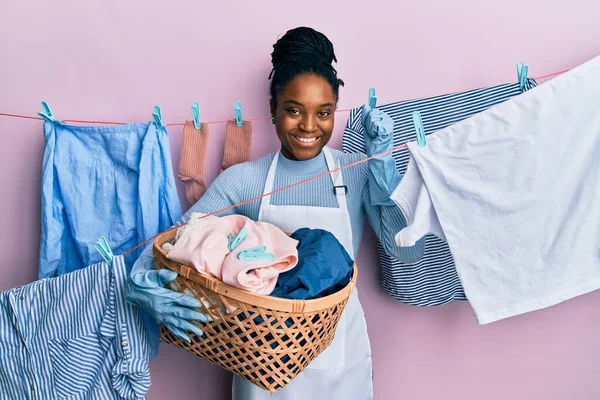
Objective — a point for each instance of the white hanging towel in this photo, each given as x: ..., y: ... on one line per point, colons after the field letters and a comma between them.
x: 515, y: 191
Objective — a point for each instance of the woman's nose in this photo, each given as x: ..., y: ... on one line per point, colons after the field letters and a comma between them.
x: 308, y: 124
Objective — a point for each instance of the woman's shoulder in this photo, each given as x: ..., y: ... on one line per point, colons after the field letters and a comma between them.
x: 249, y: 168
x: 237, y: 183
x: 261, y: 163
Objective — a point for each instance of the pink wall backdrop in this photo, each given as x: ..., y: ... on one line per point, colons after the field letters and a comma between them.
x: 114, y: 60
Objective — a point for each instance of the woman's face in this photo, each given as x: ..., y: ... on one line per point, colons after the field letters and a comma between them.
x: 304, y: 116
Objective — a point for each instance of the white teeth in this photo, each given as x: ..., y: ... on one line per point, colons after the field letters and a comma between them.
x: 306, y: 140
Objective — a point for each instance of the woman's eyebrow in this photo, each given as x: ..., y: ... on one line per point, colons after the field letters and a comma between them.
x: 297, y: 103
x: 294, y: 102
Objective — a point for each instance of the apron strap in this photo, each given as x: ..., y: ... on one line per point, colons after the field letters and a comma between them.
x: 270, y: 181
x: 339, y: 189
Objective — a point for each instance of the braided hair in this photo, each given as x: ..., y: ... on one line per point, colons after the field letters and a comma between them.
x: 302, y: 51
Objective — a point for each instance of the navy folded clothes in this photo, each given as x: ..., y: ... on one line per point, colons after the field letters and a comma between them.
x: 324, y: 267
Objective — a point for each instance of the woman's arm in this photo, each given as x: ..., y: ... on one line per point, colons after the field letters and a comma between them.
x: 381, y: 178
x: 387, y: 220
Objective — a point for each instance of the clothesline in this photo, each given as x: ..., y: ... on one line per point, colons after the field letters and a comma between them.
x: 257, y: 197
x: 78, y: 121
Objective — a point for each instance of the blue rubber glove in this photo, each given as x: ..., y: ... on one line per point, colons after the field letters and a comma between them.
x: 384, y: 177
x: 174, y: 310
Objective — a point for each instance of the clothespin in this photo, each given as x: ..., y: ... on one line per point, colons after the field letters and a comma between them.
x: 104, y: 249
x: 372, y: 98
x: 257, y: 249
x: 196, y: 115
x: 244, y: 256
x: 47, y: 114
x: 235, y: 241
x: 256, y: 254
x: 418, y: 122
x: 522, y: 71
x: 157, y: 115
x: 238, y: 113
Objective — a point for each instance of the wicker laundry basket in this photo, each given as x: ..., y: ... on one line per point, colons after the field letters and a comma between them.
x: 265, y: 340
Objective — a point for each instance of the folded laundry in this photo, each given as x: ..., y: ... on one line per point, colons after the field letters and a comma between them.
x: 324, y: 267
x: 240, y: 252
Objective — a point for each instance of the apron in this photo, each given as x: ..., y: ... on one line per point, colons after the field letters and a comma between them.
x: 343, y: 370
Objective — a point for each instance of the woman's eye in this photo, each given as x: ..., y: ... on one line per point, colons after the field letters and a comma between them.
x: 294, y: 111
x: 324, y: 114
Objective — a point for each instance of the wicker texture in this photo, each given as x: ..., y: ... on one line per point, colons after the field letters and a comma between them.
x: 265, y: 340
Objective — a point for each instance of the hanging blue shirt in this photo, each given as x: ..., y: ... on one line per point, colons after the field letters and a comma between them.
x: 112, y: 181
x: 73, y: 337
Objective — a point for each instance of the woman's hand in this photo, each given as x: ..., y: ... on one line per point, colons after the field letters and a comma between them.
x: 145, y: 288
x: 379, y: 129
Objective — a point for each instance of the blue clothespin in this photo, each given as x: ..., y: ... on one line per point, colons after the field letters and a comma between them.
x: 256, y: 254
x: 157, y: 115
x: 522, y: 72
x: 47, y: 114
x: 104, y: 249
x: 372, y: 98
x: 238, y: 113
x: 235, y: 241
x: 257, y: 249
x: 418, y: 122
x: 196, y: 115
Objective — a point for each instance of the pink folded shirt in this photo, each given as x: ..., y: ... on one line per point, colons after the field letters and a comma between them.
x: 205, y: 246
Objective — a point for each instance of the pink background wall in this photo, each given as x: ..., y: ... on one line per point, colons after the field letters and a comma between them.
x: 113, y: 60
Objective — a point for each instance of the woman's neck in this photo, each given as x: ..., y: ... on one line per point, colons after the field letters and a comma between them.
x: 304, y: 167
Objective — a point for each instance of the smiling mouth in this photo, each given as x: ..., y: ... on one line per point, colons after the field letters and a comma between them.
x: 307, y: 142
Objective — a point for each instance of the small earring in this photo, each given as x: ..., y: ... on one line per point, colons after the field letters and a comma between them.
x: 273, y: 120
